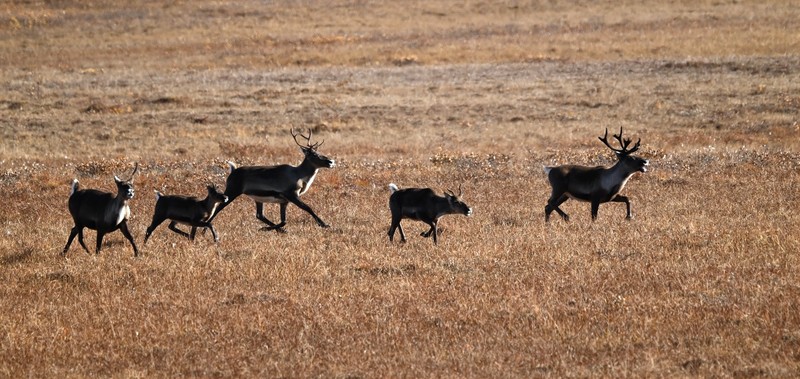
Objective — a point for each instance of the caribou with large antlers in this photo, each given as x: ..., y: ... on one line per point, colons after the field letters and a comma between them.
x: 281, y: 184
x: 595, y: 184
x: 425, y: 205
x: 101, y: 211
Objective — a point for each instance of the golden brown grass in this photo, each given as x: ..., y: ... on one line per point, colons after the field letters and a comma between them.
x: 703, y: 282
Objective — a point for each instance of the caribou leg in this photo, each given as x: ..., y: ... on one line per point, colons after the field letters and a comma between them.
x: 260, y: 214
x: 174, y: 227
x: 296, y: 201
x: 552, y: 205
x: 279, y: 226
x: 624, y: 199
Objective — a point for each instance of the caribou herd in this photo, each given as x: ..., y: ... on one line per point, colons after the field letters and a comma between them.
x: 106, y: 212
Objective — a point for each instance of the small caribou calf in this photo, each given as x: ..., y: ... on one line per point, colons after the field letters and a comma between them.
x: 188, y: 211
x: 424, y: 205
x: 101, y: 211
x: 595, y: 185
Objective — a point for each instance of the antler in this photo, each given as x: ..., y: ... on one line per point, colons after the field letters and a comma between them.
x: 130, y: 178
x: 624, y: 143
x: 307, y: 138
x: 294, y: 135
x: 135, y: 169
x: 451, y: 193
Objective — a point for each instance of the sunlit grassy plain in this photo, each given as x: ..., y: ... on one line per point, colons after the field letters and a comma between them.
x: 703, y: 282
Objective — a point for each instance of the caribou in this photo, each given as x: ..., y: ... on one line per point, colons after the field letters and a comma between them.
x: 281, y: 184
x: 186, y: 210
x: 423, y: 204
x: 595, y: 184
x: 101, y: 211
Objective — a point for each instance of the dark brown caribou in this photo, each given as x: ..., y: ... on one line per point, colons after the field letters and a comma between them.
x: 186, y: 210
x: 102, y: 211
x: 281, y: 184
x: 423, y: 204
x: 595, y: 185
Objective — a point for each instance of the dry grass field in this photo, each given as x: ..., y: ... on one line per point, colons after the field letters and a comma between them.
x: 703, y: 282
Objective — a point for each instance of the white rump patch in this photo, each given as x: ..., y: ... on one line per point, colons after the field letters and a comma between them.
x: 74, y: 186
x: 231, y: 165
x: 547, y: 170
x: 393, y: 187
x: 158, y: 194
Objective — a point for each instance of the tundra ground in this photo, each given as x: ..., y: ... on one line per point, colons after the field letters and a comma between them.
x: 702, y: 282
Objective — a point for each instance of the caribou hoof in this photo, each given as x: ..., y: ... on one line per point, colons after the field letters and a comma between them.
x: 277, y: 228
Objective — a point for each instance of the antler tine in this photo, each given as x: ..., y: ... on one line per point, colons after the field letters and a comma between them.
x: 135, y: 169
x: 622, y: 142
x: 625, y: 142
x: 636, y: 146
x: 604, y: 139
x: 312, y: 146
x: 294, y: 135
x: 460, y: 191
x: 308, y: 137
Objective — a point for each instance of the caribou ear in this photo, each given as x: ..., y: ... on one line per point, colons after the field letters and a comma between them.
x: 117, y: 179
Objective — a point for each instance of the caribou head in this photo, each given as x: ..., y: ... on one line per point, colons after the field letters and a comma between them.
x: 310, y: 150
